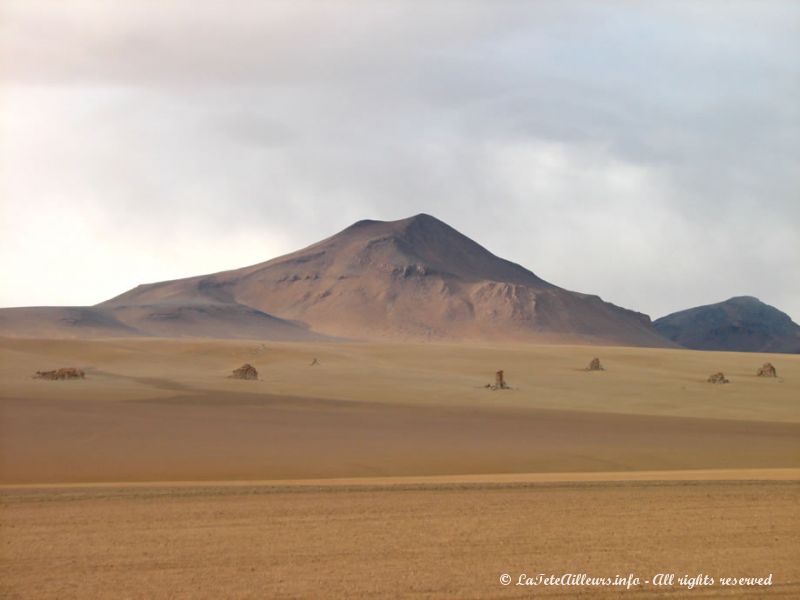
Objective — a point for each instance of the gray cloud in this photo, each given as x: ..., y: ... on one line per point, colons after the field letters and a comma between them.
x: 645, y: 152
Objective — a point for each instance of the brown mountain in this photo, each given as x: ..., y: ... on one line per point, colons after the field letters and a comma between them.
x: 740, y: 324
x: 417, y: 278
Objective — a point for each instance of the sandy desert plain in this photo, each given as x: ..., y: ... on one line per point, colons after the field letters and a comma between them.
x: 389, y: 470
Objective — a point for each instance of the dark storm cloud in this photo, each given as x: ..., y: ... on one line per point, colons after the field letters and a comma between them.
x: 647, y: 152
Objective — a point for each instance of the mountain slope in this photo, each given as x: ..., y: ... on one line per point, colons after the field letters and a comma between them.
x: 742, y: 324
x: 416, y: 278
x: 213, y: 320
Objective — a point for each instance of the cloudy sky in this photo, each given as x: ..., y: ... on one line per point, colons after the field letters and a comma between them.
x: 647, y: 152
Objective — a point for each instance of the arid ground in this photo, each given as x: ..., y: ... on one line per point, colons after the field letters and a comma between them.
x: 390, y: 470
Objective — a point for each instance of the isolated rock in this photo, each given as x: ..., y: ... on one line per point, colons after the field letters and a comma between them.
x: 314, y: 363
x: 499, y: 382
x: 767, y: 370
x: 64, y: 373
x: 246, y: 371
x: 595, y: 365
x: 718, y: 378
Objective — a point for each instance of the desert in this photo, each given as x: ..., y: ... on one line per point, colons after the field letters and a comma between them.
x: 393, y: 411
x: 399, y: 300
x: 390, y: 466
x: 152, y: 410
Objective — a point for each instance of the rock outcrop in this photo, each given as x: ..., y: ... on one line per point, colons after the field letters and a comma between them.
x: 718, y: 378
x: 499, y: 382
x: 58, y: 374
x: 595, y: 365
x: 767, y: 370
x: 246, y: 371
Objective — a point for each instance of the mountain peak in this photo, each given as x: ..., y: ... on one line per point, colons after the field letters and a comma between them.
x: 743, y: 300
x: 427, y: 225
x: 418, y: 221
x: 423, y: 219
x: 420, y: 244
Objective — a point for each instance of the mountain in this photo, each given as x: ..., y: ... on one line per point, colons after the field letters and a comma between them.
x: 741, y: 324
x: 417, y: 278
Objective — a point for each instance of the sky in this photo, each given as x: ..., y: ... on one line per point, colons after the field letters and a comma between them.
x: 647, y: 152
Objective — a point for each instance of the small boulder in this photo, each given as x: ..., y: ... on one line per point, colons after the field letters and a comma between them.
x: 60, y: 374
x: 767, y: 370
x: 718, y: 378
x: 246, y: 371
x: 595, y: 365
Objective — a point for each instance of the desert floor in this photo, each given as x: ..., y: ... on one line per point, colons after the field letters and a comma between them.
x: 390, y: 541
x: 643, y: 468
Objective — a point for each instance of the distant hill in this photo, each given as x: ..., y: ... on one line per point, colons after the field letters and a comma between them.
x: 741, y: 324
x: 212, y: 320
x: 413, y: 279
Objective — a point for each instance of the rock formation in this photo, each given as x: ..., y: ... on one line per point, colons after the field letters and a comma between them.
x: 64, y: 373
x: 767, y: 370
x: 595, y: 365
x: 499, y: 382
x: 718, y: 378
x: 246, y: 371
